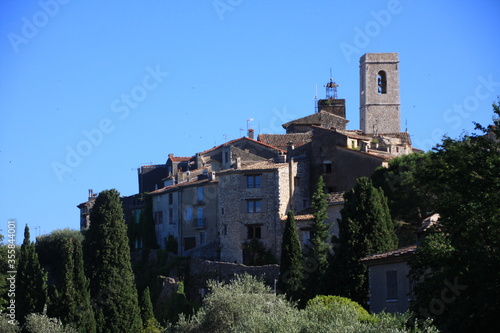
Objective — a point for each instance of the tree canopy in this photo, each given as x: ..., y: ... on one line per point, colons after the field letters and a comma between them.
x: 107, y: 261
x: 366, y: 228
x: 291, y: 269
x: 31, y: 287
x: 462, y: 291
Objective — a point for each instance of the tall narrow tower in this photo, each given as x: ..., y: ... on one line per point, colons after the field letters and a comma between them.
x: 379, y: 93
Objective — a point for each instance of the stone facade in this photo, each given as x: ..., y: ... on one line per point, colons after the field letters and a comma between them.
x: 186, y: 211
x: 252, y: 201
x: 379, y: 93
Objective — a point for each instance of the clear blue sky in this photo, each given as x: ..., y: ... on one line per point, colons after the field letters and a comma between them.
x: 92, y: 90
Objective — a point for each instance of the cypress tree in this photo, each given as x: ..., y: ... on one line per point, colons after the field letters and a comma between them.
x: 316, y: 260
x: 291, y: 270
x: 108, y: 266
x: 31, y: 287
x: 71, y: 301
x: 366, y: 228
x: 146, y: 306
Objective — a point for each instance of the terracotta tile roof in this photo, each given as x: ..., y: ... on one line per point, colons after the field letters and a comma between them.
x: 282, y: 140
x: 175, y: 186
x: 403, y: 136
x: 242, y: 138
x: 258, y: 166
x: 153, y: 166
x: 354, y: 134
x: 299, y: 217
x: 317, y: 119
x: 180, y: 159
x: 379, y: 154
x: 405, y: 251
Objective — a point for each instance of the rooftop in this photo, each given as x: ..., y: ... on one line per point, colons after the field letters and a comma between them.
x: 394, y: 254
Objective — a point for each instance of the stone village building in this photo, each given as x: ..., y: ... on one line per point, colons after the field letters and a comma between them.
x: 214, y: 201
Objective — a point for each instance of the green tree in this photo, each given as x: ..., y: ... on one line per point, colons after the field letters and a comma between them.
x: 70, y: 301
x: 409, y: 199
x: 107, y: 262
x: 146, y: 306
x: 31, y: 287
x: 462, y: 292
x: 318, y: 249
x: 366, y: 228
x: 291, y: 269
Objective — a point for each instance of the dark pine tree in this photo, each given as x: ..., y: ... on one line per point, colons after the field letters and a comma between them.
x: 366, y: 228
x: 108, y: 266
x: 146, y: 306
x: 71, y: 300
x: 318, y: 249
x: 291, y: 269
x: 31, y: 287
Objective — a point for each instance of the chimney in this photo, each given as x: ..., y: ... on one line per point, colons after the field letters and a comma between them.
x: 91, y: 194
x: 289, y: 150
x: 251, y: 133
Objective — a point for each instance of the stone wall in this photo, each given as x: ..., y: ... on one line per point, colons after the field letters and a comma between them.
x: 201, y: 271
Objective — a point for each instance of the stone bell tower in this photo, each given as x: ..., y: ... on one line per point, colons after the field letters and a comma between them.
x: 379, y: 107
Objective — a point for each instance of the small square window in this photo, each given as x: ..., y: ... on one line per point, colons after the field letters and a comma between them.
x: 327, y: 167
x: 254, y: 231
x: 254, y: 206
x: 253, y: 181
x: 158, y: 217
x: 392, y: 285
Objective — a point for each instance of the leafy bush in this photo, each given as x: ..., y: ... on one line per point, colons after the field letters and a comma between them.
x: 6, y: 326
x: 333, y: 303
x: 40, y: 323
x: 246, y: 305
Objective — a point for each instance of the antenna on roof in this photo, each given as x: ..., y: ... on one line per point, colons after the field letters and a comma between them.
x: 331, y: 87
x: 316, y: 100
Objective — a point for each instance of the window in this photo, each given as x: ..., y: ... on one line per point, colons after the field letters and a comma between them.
x: 254, y: 231
x: 170, y: 198
x: 189, y: 243
x: 202, y: 237
x: 189, y: 213
x: 306, y: 236
x: 254, y: 206
x: 158, y: 217
x: 327, y: 167
x: 224, y: 229
x: 200, y: 194
x: 296, y: 181
x: 381, y: 83
x: 392, y: 285
x: 200, y: 221
x: 253, y: 181
x: 171, y: 216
